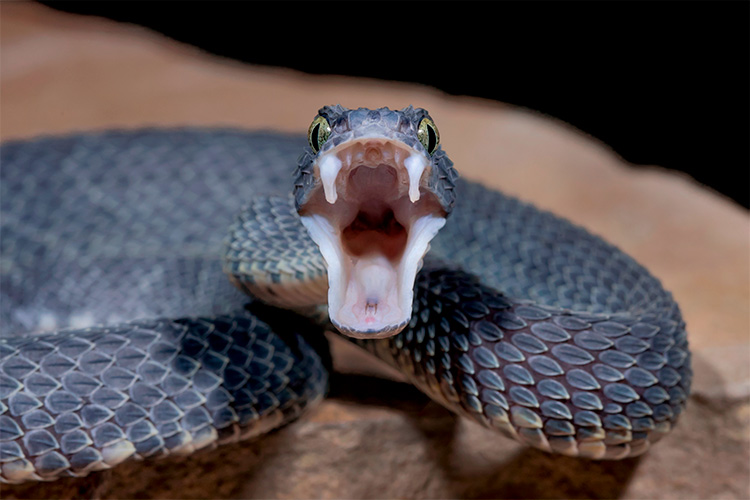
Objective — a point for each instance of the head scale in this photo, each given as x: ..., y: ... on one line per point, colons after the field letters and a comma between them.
x: 404, y: 125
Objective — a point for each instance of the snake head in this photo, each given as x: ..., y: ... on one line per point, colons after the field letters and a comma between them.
x: 373, y: 189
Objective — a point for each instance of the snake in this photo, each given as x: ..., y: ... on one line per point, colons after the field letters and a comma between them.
x: 136, y: 325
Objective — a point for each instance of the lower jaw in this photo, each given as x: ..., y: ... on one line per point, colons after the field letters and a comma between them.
x: 371, y: 297
x: 389, y: 331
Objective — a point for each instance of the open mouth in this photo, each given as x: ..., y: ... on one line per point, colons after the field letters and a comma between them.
x: 373, y: 220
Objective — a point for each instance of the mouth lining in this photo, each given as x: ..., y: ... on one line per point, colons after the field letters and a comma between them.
x: 372, y: 218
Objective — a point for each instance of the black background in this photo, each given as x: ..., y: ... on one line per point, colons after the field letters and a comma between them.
x: 662, y: 83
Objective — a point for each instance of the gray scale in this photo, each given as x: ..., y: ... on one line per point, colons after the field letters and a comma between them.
x: 21, y: 403
x: 39, y: 441
x: 639, y: 377
x: 582, y: 380
x: 508, y: 352
x: 496, y: 413
x: 495, y: 398
x: 471, y: 403
x: 525, y: 418
x: 468, y: 385
x: 51, y: 463
x: 86, y: 458
x: 491, y: 379
x: 612, y: 408
x: 592, y: 341
x: 532, y: 313
x: 587, y: 401
x: 663, y: 412
x: 518, y: 375
x: 655, y: 395
x: 669, y: 376
x: 140, y: 431
x: 638, y: 409
x: 9, y: 386
x: 80, y: 384
x: 545, y: 366
x: 464, y: 363
x: 644, y: 330
x: 528, y: 343
x: 587, y: 418
x: 572, y: 355
x: 552, y: 389
x: 607, y: 373
x: 610, y: 329
x: 9, y: 429
x: 617, y: 422
x: 67, y: 422
x: 41, y: 385
x: 485, y: 358
x: 169, y: 429
x: 550, y: 332
x: 74, y: 441
x: 559, y: 428
x: 644, y: 424
x: 571, y: 323
x: 523, y: 396
x: 37, y: 419
x: 508, y: 321
x: 620, y: 393
x: 617, y: 359
x: 10, y: 451
x: 677, y: 395
x: 94, y: 362
x: 16, y: 369
x: 631, y: 344
x: 555, y: 409
x: 676, y: 357
x: 460, y: 341
x: 56, y: 365
x: 93, y: 415
x: 108, y: 397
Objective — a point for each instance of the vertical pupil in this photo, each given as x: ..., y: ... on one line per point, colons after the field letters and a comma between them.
x: 314, y: 136
x: 431, y: 139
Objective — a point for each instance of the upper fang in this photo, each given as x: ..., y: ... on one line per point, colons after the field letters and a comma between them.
x: 329, y: 166
x: 415, y: 165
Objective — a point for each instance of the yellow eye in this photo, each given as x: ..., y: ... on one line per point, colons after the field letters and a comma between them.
x: 318, y: 133
x: 428, y: 135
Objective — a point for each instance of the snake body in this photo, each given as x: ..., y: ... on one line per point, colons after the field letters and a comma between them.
x: 521, y: 321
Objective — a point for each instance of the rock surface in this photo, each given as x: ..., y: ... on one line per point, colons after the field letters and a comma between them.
x: 377, y: 437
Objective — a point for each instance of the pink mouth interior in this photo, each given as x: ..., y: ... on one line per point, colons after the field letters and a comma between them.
x: 372, y: 238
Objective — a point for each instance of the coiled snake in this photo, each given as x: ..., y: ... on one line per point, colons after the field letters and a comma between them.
x: 516, y: 319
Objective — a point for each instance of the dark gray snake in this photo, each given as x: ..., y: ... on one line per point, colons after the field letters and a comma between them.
x: 521, y: 321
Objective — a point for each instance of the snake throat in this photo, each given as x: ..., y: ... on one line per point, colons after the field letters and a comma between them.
x: 373, y: 219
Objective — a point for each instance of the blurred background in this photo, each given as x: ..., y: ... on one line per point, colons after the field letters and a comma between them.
x: 662, y: 83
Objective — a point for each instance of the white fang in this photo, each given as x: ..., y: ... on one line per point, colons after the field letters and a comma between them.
x: 415, y: 165
x: 329, y: 169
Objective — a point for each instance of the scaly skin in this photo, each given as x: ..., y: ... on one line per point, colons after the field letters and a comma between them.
x: 522, y: 321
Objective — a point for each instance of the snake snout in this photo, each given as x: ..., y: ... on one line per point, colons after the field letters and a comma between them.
x: 372, y: 217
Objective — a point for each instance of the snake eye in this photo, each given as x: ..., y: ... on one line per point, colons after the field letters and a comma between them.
x: 318, y: 133
x: 428, y: 135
